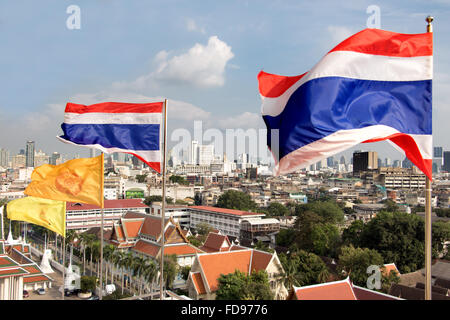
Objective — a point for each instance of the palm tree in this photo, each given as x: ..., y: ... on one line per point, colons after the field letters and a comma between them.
x: 150, y: 272
x: 120, y: 261
x: 290, y: 275
x: 108, y: 253
x: 128, y: 264
x: 137, y: 266
x: 83, y: 245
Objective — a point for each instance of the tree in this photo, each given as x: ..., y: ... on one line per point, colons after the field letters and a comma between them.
x: 88, y: 284
x: 355, y: 261
x: 390, y: 206
x: 178, y: 179
x: 440, y: 234
x: 285, y: 238
x: 185, y: 272
x: 240, y: 286
x: 141, y: 178
x: 303, y: 268
x: 441, y: 212
x: 325, y: 239
x: 277, y: 209
x: 170, y: 269
x: 329, y: 211
x: 398, y: 237
x: 351, y: 234
x: 150, y: 199
x: 237, y: 200
x: 263, y: 247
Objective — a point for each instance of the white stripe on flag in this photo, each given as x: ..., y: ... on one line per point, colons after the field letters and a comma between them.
x: 147, y: 155
x: 112, y: 118
x: 340, y: 141
x: 355, y: 65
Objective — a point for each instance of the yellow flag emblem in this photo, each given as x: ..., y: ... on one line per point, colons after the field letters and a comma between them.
x: 50, y: 214
x: 78, y: 180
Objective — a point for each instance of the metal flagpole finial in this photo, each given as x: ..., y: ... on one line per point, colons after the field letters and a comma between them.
x: 429, y: 20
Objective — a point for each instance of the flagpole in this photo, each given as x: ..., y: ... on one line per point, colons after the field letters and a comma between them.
x: 163, y: 206
x: 428, y: 223
x: 101, y: 235
x: 2, y: 222
x: 64, y: 266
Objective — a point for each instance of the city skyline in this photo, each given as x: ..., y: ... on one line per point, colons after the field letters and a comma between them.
x: 167, y: 63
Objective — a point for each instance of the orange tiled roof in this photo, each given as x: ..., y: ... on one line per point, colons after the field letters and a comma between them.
x: 260, y: 260
x: 181, y: 250
x: 337, y: 290
x: 146, y: 248
x: 198, y: 282
x: 6, y: 262
x: 131, y: 228
x: 214, y: 242
x: 34, y: 279
x: 32, y: 269
x: 390, y: 267
x: 215, y: 264
x: 12, y: 272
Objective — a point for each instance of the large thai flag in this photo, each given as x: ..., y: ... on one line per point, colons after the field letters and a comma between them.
x: 132, y: 128
x: 375, y: 85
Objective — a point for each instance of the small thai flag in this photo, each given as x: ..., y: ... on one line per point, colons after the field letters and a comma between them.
x: 375, y: 85
x: 133, y: 128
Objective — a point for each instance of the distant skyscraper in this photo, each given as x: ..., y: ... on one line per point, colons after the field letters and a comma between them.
x: 29, y: 154
x: 387, y: 162
x: 55, y: 158
x: 406, y: 163
x: 4, y: 158
x: 92, y: 152
x: 194, y: 152
x: 437, y: 152
x: 330, y: 162
x: 205, y: 154
x: 364, y: 161
x: 438, y: 160
x: 342, y: 161
x: 446, y: 166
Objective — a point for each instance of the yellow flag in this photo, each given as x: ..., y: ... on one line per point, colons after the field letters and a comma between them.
x: 50, y: 214
x: 77, y: 180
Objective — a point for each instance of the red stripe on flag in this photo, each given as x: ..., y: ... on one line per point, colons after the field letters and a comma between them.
x: 412, y: 152
x: 115, y: 107
x: 387, y: 43
x: 272, y: 85
x: 154, y: 165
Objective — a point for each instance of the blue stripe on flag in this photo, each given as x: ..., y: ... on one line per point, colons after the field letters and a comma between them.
x: 124, y: 136
x: 323, y: 106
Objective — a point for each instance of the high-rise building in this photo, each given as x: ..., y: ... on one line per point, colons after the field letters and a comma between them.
x: 4, y: 158
x: 330, y: 162
x: 446, y: 166
x: 40, y: 158
x: 194, y: 152
x: 29, y: 154
x: 55, y: 158
x: 205, y: 154
x: 438, y: 160
x: 363, y: 161
x: 437, y: 152
x: 342, y: 161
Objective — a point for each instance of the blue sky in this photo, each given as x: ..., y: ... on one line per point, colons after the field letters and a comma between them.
x: 132, y: 50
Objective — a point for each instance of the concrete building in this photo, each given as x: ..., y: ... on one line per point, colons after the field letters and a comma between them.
x: 29, y: 154
x: 363, y: 161
x: 81, y: 217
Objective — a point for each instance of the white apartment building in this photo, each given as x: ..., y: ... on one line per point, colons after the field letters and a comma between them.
x: 81, y: 217
x: 228, y: 221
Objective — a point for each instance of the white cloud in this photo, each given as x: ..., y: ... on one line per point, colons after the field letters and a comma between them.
x: 201, y: 66
x: 192, y: 26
